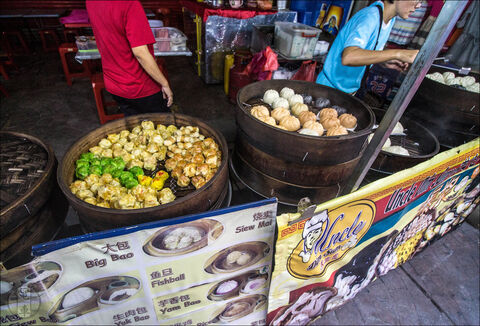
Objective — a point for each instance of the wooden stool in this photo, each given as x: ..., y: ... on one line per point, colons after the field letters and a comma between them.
x: 65, y: 48
x: 98, y: 86
x: 43, y: 36
x: 9, y: 38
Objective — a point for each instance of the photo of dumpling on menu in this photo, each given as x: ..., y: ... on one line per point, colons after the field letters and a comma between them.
x: 237, y: 257
x: 183, y: 238
x: 94, y: 295
x: 29, y: 280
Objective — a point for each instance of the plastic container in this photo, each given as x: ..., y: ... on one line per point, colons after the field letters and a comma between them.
x: 155, y: 23
x: 169, y: 39
x: 262, y: 36
x: 86, y: 43
x: 295, y: 41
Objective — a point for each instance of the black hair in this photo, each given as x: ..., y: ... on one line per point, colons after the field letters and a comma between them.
x: 391, y: 1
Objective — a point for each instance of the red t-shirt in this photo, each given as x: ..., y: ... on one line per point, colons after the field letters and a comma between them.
x: 119, y: 26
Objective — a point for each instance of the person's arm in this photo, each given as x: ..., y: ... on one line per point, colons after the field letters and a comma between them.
x: 355, y: 56
x: 147, y: 61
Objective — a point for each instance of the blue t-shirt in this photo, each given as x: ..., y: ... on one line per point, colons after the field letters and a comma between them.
x: 360, y: 31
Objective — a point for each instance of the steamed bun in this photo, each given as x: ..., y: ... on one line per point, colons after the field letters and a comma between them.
x: 270, y: 96
x: 438, y: 77
x: 280, y: 113
x: 259, y: 111
x: 297, y: 98
x: 453, y: 81
x: 467, y: 81
x: 474, y: 88
x: 348, y: 120
x: 298, y: 108
x: 308, y: 132
x: 337, y: 131
x: 286, y: 93
x: 290, y: 123
x: 268, y: 120
x: 306, y: 116
x: 448, y: 75
x: 313, y: 125
x: 396, y: 150
x: 330, y: 123
x: 280, y: 103
x: 327, y: 113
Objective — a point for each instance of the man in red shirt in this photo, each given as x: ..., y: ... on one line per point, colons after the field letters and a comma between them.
x: 125, y: 42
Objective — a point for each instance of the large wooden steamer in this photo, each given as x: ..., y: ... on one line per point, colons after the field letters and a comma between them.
x: 419, y: 141
x: 32, y: 207
x: 452, y: 114
x: 95, y: 218
x: 288, y: 165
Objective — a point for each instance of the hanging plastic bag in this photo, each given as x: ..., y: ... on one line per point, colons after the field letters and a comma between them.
x: 306, y: 71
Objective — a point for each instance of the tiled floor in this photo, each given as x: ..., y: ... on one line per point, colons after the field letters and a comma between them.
x: 439, y: 286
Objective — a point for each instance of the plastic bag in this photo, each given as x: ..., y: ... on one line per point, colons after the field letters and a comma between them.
x: 263, y: 64
x: 306, y: 71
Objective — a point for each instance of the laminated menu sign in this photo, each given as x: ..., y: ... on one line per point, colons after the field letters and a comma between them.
x: 211, y: 268
x: 324, y: 258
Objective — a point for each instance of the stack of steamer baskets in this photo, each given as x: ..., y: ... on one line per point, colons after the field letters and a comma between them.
x: 212, y: 195
x: 452, y: 113
x: 32, y: 207
x: 288, y: 165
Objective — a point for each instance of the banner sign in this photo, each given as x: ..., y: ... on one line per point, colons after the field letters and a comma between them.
x: 325, y: 258
x: 212, y: 268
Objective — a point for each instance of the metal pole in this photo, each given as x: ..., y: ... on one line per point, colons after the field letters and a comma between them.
x: 449, y: 15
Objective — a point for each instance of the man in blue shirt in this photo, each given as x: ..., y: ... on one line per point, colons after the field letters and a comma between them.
x: 360, y: 43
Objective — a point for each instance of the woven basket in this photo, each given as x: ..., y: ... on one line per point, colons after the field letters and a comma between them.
x: 27, y: 167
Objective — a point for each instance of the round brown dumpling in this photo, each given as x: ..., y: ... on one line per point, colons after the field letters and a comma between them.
x: 268, y: 120
x: 306, y: 116
x: 327, y: 113
x: 280, y: 113
x: 313, y: 125
x: 298, y: 108
x: 337, y: 131
x: 290, y: 123
x: 259, y: 111
x: 348, y: 120
x: 330, y: 123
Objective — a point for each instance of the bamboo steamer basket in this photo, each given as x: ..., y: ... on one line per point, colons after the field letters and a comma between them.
x: 95, y: 218
x: 28, y: 175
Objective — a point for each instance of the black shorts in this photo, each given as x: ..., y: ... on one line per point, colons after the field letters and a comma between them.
x: 150, y: 104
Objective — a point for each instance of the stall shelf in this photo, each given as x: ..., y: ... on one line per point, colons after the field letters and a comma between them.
x: 219, y: 31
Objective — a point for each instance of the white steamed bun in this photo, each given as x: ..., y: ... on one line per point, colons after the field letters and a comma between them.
x: 286, y: 93
x: 270, y: 96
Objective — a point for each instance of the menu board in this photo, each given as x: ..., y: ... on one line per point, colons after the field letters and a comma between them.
x: 212, y: 268
x: 326, y: 256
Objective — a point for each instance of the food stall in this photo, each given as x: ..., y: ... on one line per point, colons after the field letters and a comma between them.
x: 153, y: 184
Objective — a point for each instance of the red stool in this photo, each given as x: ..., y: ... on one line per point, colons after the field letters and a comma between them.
x: 65, y: 49
x: 43, y: 36
x: 98, y: 86
x: 11, y: 38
